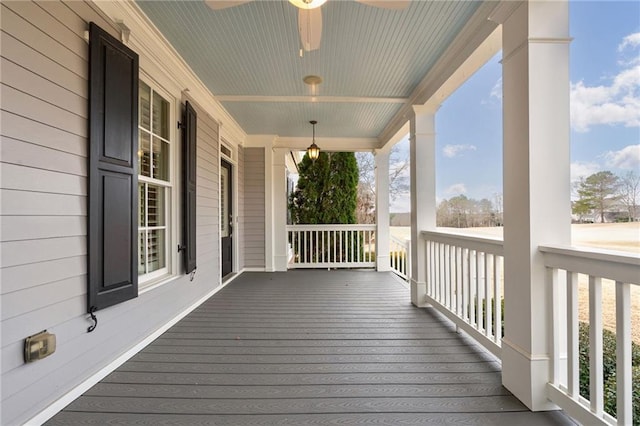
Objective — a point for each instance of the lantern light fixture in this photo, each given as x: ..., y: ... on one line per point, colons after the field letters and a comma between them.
x: 313, y: 151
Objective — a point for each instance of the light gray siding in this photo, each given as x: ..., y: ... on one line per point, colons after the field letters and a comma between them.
x: 208, y: 187
x: 240, y: 224
x: 254, y: 207
x: 43, y: 241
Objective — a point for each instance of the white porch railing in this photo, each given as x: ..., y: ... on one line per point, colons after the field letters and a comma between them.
x: 400, y: 256
x: 465, y: 280
x: 565, y: 266
x: 332, y: 246
x: 465, y: 283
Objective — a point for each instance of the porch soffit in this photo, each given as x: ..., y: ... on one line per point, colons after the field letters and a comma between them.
x: 374, y: 62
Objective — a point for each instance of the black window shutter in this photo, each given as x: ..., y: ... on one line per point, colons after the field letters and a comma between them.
x: 113, y: 171
x: 190, y: 123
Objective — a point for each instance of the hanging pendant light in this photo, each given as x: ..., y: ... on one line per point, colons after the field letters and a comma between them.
x: 314, y: 150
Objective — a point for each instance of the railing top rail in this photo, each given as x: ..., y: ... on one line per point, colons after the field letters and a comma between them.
x: 614, y: 265
x: 343, y: 227
x: 486, y: 244
x: 399, y: 240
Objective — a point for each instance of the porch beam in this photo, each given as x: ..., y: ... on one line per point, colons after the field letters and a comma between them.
x: 313, y: 99
x: 536, y: 186
x: 422, y: 141
x: 337, y: 144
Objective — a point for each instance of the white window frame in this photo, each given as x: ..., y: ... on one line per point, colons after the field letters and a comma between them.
x: 152, y: 279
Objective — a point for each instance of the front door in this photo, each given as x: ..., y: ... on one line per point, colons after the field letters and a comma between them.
x: 226, y: 217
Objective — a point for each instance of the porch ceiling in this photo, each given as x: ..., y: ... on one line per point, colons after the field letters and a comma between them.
x: 371, y: 60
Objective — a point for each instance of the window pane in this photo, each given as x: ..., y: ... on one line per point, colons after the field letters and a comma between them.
x: 224, y: 202
x: 156, y: 206
x: 156, y: 250
x: 145, y: 106
x: 160, y: 159
x: 144, y: 154
x: 141, y: 253
x: 160, y: 116
x: 142, y: 206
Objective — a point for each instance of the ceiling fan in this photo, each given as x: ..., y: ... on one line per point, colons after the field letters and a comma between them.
x: 310, y: 16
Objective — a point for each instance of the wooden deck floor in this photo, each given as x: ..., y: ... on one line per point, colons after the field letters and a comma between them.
x: 307, y: 348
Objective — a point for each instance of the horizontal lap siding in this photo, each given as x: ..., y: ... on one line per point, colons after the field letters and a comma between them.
x: 254, y: 208
x: 43, y: 193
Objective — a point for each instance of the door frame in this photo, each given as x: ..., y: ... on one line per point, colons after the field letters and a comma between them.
x: 234, y: 203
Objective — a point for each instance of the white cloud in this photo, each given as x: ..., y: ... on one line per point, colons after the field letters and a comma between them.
x: 456, y: 189
x: 451, y: 151
x: 495, y: 94
x: 496, y: 90
x: 581, y: 169
x: 632, y: 40
x: 627, y: 158
x: 614, y: 103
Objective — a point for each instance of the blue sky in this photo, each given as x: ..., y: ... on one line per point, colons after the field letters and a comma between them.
x: 605, y: 108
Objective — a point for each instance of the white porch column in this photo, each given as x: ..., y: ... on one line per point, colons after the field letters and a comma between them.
x: 537, y: 206
x: 278, y: 240
x: 423, y: 194
x: 382, y: 210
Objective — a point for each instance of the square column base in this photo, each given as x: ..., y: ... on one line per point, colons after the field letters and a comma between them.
x: 382, y: 264
x: 525, y: 376
x: 418, y: 291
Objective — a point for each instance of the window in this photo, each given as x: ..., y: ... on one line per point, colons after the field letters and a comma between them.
x: 154, y: 184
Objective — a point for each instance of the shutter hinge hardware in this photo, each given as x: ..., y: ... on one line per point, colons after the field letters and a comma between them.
x: 180, y: 126
x: 92, y: 312
x: 181, y: 248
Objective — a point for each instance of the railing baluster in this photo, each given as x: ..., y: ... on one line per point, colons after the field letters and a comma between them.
x: 624, y: 380
x: 552, y: 279
x: 440, y: 272
x: 447, y: 274
x: 433, y: 261
x: 304, y: 247
x: 472, y: 303
x: 573, y: 354
x: 487, y: 295
x: 452, y: 286
x: 465, y: 285
x: 458, y: 289
x: 497, y: 295
x: 595, y: 345
x: 479, y: 288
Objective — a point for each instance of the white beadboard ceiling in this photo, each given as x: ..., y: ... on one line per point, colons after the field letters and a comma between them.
x: 371, y: 60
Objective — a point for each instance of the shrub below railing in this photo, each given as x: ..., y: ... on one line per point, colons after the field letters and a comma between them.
x: 609, y: 370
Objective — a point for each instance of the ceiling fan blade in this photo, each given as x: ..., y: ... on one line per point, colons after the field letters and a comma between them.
x: 224, y: 4
x: 310, y: 28
x: 386, y: 4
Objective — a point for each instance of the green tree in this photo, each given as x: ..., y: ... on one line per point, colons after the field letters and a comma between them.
x: 327, y: 190
x: 598, y: 192
x: 582, y: 208
x: 630, y: 193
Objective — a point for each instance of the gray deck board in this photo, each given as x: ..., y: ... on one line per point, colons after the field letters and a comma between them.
x: 307, y: 348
